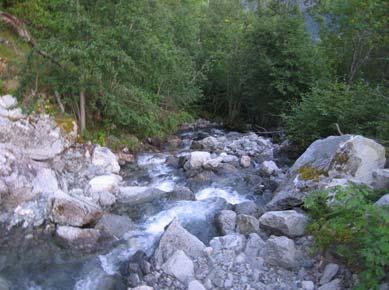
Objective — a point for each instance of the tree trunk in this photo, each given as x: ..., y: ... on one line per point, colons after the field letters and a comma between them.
x: 82, y: 112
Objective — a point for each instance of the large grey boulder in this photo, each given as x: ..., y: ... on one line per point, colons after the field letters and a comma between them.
x: 226, y: 222
x: 104, y: 158
x: 348, y: 157
x: 180, y: 266
x: 248, y: 208
x: 280, y: 251
x: 82, y: 239
x: 68, y: 210
x: 176, y: 238
x: 197, y: 159
x: 234, y: 242
x: 246, y: 224
x: 134, y: 195
x: 287, y: 222
x: 105, y: 183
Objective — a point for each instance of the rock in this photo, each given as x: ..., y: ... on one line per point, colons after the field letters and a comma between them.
x: 67, y: 210
x: 212, y: 164
x: 4, y: 284
x: 268, y: 168
x: 333, y: 285
x: 115, y: 225
x: 109, y: 282
x: 247, y: 208
x: 226, y: 222
x: 8, y: 102
x: 134, y: 280
x: 380, y: 179
x: 228, y: 158
x: 288, y: 222
x: 197, y: 159
x: 134, y: 195
x: 82, y: 239
x: 233, y: 242
x: 280, y: 251
x: 196, y: 285
x: 45, y: 181
x: 350, y: 157
x: 175, y: 238
x: 104, y: 158
x: 245, y: 161
x: 180, y: 266
x: 383, y: 201
x: 329, y: 273
x: 254, y: 246
x: 246, y: 224
x: 181, y: 193
x: 105, y: 199
x: 143, y: 287
x: 105, y: 183
x: 201, y: 180
x: 307, y: 285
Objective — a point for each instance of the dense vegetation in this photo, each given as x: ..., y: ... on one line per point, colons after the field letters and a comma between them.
x: 143, y: 67
x: 346, y: 222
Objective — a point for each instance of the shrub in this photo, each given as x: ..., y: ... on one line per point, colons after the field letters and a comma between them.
x: 357, y: 109
x: 346, y: 222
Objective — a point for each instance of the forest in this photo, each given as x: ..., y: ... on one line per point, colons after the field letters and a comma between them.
x: 144, y: 67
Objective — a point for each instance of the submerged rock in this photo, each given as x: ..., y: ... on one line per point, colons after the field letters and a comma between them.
x: 115, y: 225
x: 82, y: 239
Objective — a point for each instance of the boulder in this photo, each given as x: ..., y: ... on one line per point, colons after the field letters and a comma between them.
x: 380, y: 179
x: 82, y: 239
x: 115, y: 225
x: 8, y: 102
x: 4, y: 284
x: 383, y: 201
x: 197, y: 159
x: 246, y: 224
x: 335, y: 284
x: 134, y: 195
x: 104, y: 183
x: 179, y: 265
x: 245, y: 161
x: 212, y: 164
x: 67, y: 210
x: 45, y: 181
x: 226, y: 222
x: 269, y: 168
x: 175, y: 238
x: 288, y: 222
x: 105, y: 198
x: 254, y: 246
x: 196, y: 285
x: 307, y: 285
x: 104, y: 158
x: 329, y: 273
x: 228, y: 158
x: 234, y: 242
x: 280, y: 251
x: 248, y: 208
x: 350, y: 157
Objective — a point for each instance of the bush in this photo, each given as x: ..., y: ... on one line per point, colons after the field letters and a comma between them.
x: 357, y: 109
x: 346, y: 222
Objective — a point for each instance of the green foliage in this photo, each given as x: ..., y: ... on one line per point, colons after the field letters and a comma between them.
x: 357, y: 109
x: 346, y: 222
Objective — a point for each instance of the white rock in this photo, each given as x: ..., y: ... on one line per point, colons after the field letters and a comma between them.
x: 383, y: 201
x: 308, y: 285
x: 8, y: 102
x: 45, y: 181
x: 197, y: 159
x: 104, y: 158
x: 196, y: 285
x: 287, y: 222
x: 329, y: 273
x: 143, y: 287
x: 105, y: 183
x: 228, y: 158
x: 269, y: 168
x: 180, y: 266
x: 280, y: 251
x: 245, y: 161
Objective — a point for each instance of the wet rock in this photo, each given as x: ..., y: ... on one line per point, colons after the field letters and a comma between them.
x: 226, y: 222
x: 110, y: 282
x: 269, y: 168
x: 329, y: 273
x: 246, y: 224
x: 245, y: 161
x: 181, y: 193
x: 280, y: 251
x: 180, y: 266
x: 381, y: 179
x: 288, y: 222
x: 333, y: 285
x: 104, y: 158
x: 105, y: 183
x: 67, y: 210
x: 196, y: 285
x: 133, y: 195
x: 248, y: 208
x: 115, y: 225
x: 349, y: 157
x: 201, y: 180
x: 175, y: 238
x: 383, y: 201
x: 197, y: 159
x: 212, y: 164
x: 82, y: 239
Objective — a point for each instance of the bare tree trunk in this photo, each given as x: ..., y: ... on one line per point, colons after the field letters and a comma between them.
x: 82, y: 112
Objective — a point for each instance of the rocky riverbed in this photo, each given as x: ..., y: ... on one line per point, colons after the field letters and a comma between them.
x: 211, y: 210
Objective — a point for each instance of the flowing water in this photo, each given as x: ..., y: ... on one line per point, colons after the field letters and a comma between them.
x: 40, y: 264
